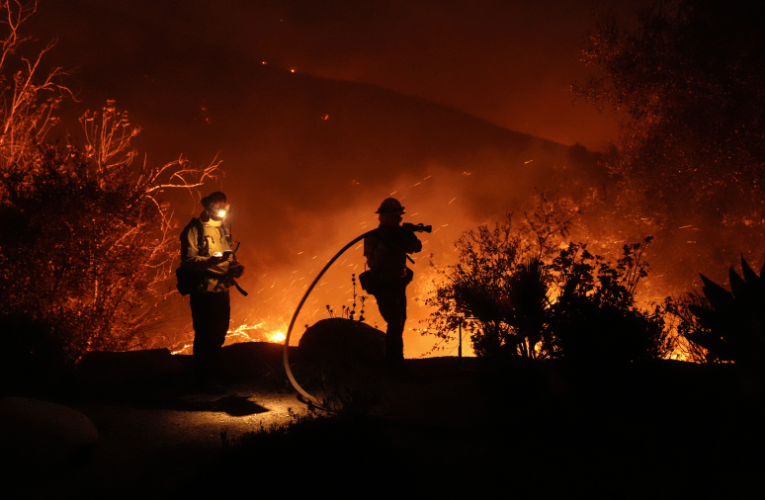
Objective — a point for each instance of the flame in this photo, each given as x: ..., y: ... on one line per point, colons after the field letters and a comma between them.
x: 183, y: 349
x: 244, y: 328
x: 278, y: 295
x: 277, y: 337
x: 240, y: 334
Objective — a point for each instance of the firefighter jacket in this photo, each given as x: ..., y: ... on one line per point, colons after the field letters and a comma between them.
x: 386, y: 249
x: 214, y: 241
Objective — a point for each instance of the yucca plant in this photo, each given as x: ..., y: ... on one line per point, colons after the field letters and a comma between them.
x: 733, y: 324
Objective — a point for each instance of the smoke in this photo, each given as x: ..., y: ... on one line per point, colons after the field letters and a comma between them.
x: 308, y: 159
x: 453, y: 196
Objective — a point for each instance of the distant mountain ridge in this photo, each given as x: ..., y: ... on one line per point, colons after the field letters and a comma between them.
x: 299, y: 141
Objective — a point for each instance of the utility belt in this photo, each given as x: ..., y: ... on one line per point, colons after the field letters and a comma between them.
x: 374, y: 280
x: 228, y: 278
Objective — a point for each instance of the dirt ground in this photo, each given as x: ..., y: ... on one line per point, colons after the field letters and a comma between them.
x: 460, y: 423
x: 159, y: 445
x: 158, y: 442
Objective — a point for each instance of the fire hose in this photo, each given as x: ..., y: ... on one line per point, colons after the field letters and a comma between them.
x: 298, y: 388
x: 294, y: 382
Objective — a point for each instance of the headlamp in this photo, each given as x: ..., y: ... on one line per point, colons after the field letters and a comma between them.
x: 221, y: 213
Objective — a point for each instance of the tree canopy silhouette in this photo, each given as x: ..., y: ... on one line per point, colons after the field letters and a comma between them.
x: 691, y: 78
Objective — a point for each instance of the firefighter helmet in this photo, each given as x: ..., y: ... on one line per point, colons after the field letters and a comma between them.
x: 390, y: 206
x: 213, y: 199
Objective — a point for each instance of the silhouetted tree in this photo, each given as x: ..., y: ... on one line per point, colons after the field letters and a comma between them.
x: 692, y: 79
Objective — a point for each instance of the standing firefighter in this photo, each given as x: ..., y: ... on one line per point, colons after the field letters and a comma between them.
x: 208, y: 269
x: 386, y: 251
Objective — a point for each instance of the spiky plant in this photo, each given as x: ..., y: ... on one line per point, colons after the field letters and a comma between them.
x: 733, y: 324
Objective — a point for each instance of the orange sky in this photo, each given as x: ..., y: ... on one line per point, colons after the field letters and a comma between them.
x: 433, y: 72
x: 509, y: 62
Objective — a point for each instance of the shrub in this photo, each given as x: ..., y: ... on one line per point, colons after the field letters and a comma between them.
x: 495, y: 292
x: 574, y: 305
x: 595, y: 316
x: 731, y: 325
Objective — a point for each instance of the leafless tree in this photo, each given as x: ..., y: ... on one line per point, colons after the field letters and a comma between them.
x: 86, y: 233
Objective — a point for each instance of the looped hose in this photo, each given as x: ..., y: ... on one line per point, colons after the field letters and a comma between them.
x: 291, y: 377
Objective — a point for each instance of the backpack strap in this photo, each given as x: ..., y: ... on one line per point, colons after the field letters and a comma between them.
x: 202, y: 246
x: 228, y: 235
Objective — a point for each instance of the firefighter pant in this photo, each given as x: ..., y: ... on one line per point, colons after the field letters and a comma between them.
x: 210, y: 313
x: 391, y: 300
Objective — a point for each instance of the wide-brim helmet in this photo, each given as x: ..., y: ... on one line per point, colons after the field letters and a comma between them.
x: 390, y: 206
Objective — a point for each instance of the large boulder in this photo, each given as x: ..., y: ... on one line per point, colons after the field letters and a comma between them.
x: 340, y: 338
x: 40, y: 435
x: 120, y: 369
x: 342, y: 364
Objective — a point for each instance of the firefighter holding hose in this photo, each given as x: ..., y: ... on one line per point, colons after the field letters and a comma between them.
x: 386, y: 250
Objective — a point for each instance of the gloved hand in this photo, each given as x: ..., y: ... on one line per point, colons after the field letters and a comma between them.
x: 236, y: 270
x: 215, y: 260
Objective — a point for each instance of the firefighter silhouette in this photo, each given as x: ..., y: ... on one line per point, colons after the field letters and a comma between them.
x: 386, y: 250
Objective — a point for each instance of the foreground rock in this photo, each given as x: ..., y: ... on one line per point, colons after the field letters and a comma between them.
x: 37, y: 435
x: 343, y: 364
